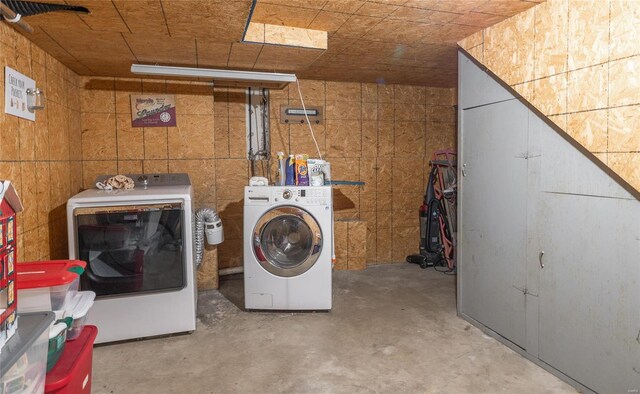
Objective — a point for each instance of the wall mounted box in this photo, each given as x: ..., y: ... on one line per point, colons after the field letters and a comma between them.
x: 296, y: 114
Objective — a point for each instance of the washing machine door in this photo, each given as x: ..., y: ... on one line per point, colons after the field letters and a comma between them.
x: 287, y: 241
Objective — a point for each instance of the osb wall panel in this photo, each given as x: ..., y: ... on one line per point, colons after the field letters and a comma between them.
x: 382, y: 135
x: 110, y: 145
x: 578, y: 62
x: 350, y: 244
x: 42, y: 158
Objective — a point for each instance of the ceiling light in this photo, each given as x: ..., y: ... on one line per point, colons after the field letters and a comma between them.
x: 219, y: 77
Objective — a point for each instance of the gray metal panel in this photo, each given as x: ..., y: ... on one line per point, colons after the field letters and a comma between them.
x: 461, y: 152
x: 475, y: 87
x: 589, y: 290
x: 494, y: 205
x: 582, y: 309
x: 589, y: 287
x: 535, y: 125
x: 567, y: 170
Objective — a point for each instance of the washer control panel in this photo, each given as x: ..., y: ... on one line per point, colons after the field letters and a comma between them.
x: 311, y: 196
x: 298, y: 195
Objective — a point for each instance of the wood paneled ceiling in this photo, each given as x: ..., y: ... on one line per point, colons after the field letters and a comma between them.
x: 391, y: 41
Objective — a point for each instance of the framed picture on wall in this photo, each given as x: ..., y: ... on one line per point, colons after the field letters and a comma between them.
x: 153, y: 110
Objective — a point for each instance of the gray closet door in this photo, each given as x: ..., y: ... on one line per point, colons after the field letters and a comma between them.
x: 520, y: 199
x: 589, y: 230
x: 493, y: 203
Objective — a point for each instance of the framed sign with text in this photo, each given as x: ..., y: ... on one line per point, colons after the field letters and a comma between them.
x: 153, y: 110
x: 15, y: 94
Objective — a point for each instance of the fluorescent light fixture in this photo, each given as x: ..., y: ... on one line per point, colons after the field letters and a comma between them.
x: 221, y: 77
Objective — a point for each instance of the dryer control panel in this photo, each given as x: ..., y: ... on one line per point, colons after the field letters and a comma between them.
x: 150, y: 180
x: 295, y: 195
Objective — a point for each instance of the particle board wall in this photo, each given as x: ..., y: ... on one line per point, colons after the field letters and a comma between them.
x: 383, y: 135
x: 578, y: 62
x: 380, y: 134
x: 42, y: 158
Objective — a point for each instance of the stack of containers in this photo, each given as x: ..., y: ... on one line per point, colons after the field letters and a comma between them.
x: 53, y: 286
x: 72, y: 375
x: 23, y: 361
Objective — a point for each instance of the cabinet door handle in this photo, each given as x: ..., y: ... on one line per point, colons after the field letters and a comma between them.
x: 540, y: 259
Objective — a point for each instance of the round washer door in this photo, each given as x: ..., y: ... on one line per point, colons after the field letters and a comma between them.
x: 287, y: 241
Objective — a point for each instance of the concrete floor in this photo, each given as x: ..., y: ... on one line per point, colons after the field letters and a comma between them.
x: 393, y: 328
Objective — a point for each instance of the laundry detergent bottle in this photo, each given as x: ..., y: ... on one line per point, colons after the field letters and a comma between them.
x: 302, y: 170
x: 291, y: 171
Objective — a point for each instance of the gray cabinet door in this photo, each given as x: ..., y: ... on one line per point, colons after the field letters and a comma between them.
x: 589, y: 231
x: 493, y: 203
x: 530, y: 195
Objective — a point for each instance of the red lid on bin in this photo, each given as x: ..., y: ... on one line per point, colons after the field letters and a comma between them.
x: 47, y: 273
x: 75, y: 361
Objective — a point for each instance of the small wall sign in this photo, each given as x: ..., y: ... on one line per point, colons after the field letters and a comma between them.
x: 153, y: 110
x: 15, y: 94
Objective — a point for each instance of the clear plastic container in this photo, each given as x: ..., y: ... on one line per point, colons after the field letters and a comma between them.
x: 48, y: 285
x: 78, y: 308
x: 59, y: 295
x: 76, y: 329
x: 24, y: 357
x: 75, y: 285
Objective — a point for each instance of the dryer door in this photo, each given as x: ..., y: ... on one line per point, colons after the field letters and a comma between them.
x: 287, y: 241
x: 130, y: 250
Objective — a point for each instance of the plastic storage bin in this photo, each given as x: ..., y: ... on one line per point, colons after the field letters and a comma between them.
x: 46, y: 285
x: 78, y: 309
x: 23, y: 360
x: 72, y: 374
x: 57, y: 339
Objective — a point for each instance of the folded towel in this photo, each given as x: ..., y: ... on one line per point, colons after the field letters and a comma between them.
x: 116, y: 182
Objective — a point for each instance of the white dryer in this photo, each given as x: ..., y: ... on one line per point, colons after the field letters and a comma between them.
x: 287, y: 247
x: 138, y: 247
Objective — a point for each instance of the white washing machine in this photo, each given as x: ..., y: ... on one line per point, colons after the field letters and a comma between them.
x: 287, y: 247
x: 138, y: 248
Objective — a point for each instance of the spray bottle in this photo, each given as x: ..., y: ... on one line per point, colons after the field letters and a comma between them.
x: 282, y: 169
